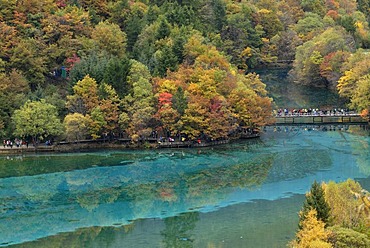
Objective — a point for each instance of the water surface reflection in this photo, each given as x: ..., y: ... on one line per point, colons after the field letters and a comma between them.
x: 244, y: 193
x: 240, y: 225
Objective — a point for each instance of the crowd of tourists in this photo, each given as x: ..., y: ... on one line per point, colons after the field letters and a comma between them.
x: 312, y: 112
x: 16, y: 142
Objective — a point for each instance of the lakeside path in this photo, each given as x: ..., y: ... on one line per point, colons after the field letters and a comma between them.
x: 93, y: 145
x: 30, y: 148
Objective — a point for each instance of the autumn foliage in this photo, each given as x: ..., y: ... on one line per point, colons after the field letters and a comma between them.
x: 199, y: 52
x: 348, y: 209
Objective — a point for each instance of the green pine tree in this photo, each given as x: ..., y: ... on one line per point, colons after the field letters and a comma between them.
x: 315, y: 199
x: 179, y: 101
x: 164, y: 29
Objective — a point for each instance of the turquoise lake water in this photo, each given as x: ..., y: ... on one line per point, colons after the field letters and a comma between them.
x: 244, y: 194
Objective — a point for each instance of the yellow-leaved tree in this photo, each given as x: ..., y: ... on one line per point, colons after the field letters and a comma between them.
x: 208, y: 97
x: 312, y: 234
x: 76, y: 126
x: 85, y: 101
x: 355, y: 82
x: 344, y: 204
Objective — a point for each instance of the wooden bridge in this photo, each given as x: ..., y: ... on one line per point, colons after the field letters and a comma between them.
x: 320, y: 119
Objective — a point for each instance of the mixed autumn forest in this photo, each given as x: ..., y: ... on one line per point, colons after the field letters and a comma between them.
x: 81, y: 69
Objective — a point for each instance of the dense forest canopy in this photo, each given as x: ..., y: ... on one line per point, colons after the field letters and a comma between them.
x: 138, y: 67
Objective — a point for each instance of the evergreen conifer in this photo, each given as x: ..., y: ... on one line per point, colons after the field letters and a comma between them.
x: 315, y: 199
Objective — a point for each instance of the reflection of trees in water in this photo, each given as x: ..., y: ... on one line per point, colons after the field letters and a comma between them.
x: 201, y: 187
x: 363, y: 159
x: 360, y: 144
x: 207, y: 183
x: 142, y: 198
x: 90, y: 189
x: 35, y: 165
x: 16, y: 166
x: 42, y: 191
x: 84, y: 237
x: 298, y: 163
x: 359, y: 130
x: 167, y: 191
x: 291, y: 131
x: 178, y: 230
x: 92, y: 199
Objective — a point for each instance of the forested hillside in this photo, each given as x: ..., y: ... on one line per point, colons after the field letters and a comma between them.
x: 82, y: 69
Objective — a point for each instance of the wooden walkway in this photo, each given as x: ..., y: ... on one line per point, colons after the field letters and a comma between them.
x: 14, y: 149
x: 321, y: 119
x: 184, y: 144
x: 193, y: 144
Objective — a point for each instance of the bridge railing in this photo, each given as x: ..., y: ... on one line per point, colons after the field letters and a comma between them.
x: 316, y: 118
x: 315, y: 114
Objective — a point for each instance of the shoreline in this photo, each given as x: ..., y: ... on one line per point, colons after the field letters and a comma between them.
x: 64, y: 147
